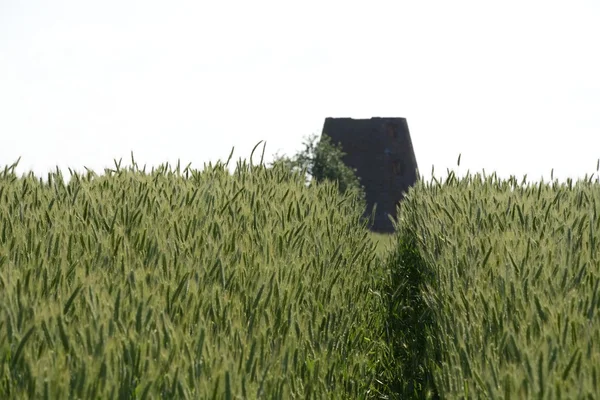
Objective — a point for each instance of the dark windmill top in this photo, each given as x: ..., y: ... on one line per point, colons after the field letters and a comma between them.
x: 381, y: 151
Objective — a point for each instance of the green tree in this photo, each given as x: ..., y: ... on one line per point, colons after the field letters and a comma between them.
x: 322, y: 160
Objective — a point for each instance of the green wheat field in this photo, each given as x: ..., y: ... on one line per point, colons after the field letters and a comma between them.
x: 208, y: 284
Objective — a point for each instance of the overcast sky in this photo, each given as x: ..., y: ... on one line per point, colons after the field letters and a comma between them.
x: 512, y: 85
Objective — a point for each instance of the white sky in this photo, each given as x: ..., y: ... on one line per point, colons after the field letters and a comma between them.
x: 512, y: 85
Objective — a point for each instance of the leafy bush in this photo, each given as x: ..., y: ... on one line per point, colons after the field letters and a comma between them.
x: 321, y: 161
